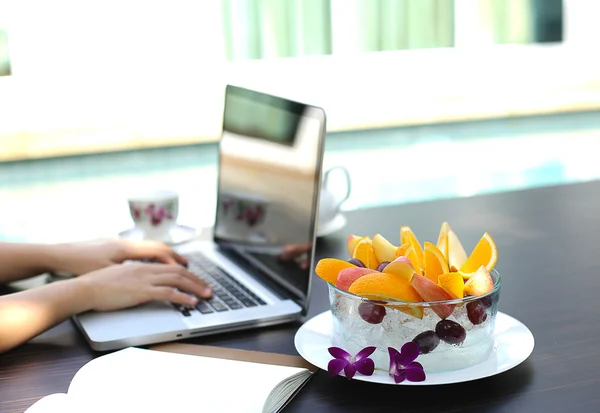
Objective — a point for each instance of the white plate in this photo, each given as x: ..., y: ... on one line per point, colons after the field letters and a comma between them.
x: 178, y: 235
x: 332, y: 226
x: 514, y: 343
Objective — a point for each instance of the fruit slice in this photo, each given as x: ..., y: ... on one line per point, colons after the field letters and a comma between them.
x: 412, y: 310
x: 406, y: 250
x: 329, y: 268
x: 403, y: 259
x: 480, y: 282
x: 400, y: 267
x: 384, y: 250
x: 430, y: 292
x: 452, y: 282
x: 383, y: 284
x: 407, y: 236
x: 364, y: 252
x: 351, y: 242
x: 485, y: 253
x: 435, y: 262
x: 456, y: 252
x: 442, y: 242
x: 402, y: 250
x: 347, y: 276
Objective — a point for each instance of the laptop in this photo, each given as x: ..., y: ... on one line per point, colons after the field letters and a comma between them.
x: 260, y: 258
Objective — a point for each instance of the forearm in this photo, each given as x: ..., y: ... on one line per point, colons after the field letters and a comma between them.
x: 26, y: 314
x: 20, y: 261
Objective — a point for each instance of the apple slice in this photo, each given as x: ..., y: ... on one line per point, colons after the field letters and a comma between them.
x: 383, y: 249
x: 456, y: 252
x: 442, y: 242
x: 347, y: 276
x: 404, y: 259
x: 480, y: 282
x: 430, y: 292
x: 400, y: 266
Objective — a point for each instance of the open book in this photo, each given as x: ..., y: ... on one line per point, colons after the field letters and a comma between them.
x: 138, y: 380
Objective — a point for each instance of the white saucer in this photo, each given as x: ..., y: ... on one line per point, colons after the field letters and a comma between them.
x: 178, y: 235
x: 514, y: 343
x: 332, y: 226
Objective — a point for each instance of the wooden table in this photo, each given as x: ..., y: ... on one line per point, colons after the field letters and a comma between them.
x: 549, y: 243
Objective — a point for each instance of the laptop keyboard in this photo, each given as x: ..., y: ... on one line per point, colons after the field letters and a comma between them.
x: 228, y: 294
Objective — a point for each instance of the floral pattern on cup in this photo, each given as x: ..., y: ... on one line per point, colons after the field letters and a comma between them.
x: 155, y: 214
x: 249, y: 212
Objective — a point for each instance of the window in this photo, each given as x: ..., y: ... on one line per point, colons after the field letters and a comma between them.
x: 4, y: 56
x: 259, y: 29
x: 120, y: 74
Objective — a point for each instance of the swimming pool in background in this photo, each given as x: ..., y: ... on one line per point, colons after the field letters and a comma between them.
x: 83, y: 197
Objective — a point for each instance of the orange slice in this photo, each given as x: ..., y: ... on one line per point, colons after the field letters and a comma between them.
x: 407, y: 236
x: 412, y: 310
x: 408, y: 251
x: 401, y: 250
x: 484, y: 254
x: 351, y: 242
x: 442, y: 242
x: 435, y: 262
x: 382, y: 284
x: 456, y: 252
x: 364, y: 252
x: 453, y: 283
x: 329, y: 268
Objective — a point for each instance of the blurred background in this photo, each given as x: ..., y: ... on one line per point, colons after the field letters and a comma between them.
x: 425, y: 99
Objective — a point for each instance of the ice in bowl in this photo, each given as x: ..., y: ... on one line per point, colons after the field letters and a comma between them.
x: 435, y: 295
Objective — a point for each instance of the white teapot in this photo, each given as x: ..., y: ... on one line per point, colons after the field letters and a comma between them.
x: 329, y: 206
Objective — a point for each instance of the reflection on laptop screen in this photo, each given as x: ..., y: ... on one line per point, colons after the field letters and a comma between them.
x: 270, y: 168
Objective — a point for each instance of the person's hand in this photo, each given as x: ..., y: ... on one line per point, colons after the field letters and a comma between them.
x: 127, y: 285
x: 81, y: 258
x: 298, y: 253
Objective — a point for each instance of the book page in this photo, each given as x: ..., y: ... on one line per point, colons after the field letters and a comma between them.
x: 134, y: 379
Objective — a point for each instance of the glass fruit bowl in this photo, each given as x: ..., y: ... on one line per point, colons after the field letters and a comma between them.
x: 462, y: 339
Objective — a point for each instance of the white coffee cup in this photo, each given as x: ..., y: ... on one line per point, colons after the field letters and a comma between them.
x: 154, y: 213
x: 329, y: 206
x: 241, y: 214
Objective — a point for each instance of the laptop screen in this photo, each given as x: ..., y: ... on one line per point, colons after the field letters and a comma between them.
x: 270, y: 157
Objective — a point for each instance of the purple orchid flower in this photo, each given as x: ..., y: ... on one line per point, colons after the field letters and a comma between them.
x: 403, y: 365
x: 351, y: 364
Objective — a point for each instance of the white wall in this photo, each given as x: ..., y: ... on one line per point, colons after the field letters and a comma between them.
x: 128, y: 73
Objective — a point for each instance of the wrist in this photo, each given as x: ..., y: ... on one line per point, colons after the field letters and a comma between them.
x: 53, y: 257
x: 81, y: 294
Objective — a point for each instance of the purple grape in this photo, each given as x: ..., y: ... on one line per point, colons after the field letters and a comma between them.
x: 371, y: 313
x: 356, y: 262
x: 476, y: 312
x: 450, y: 331
x: 487, y: 301
x: 382, y: 266
x: 427, y: 341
